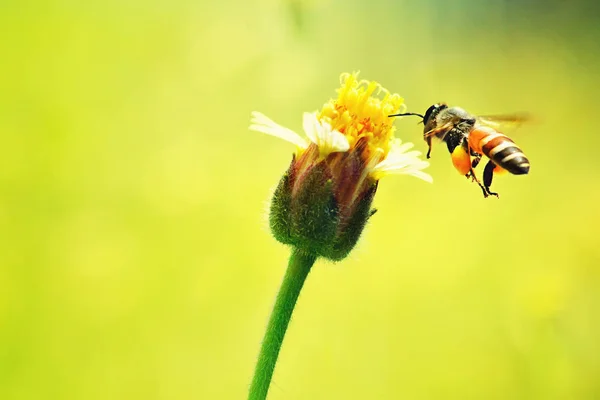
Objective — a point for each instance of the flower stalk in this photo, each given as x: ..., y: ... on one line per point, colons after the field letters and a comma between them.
x: 298, y: 268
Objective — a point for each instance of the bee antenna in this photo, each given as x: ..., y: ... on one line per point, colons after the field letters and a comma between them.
x: 405, y: 114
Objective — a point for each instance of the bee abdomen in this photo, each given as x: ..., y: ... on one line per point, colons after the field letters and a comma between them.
x: 505, y: 153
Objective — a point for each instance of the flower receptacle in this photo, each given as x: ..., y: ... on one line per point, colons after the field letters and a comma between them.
x: 309, y: 213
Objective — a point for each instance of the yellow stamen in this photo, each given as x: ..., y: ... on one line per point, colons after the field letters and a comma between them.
x: 358, y: 113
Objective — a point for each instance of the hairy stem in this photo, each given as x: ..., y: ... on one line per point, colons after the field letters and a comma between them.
x: 298, y: 268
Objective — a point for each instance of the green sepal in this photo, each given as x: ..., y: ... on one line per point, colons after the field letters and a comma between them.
x: 280, y: 213
x: 314, y: 211
x: 305, y: 213
x: 351, y: 230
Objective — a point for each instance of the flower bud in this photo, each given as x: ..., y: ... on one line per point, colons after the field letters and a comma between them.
x: 311, y: 211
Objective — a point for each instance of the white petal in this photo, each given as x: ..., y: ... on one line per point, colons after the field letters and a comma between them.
x: 311, y: 126
x: 399, y: 162
x: 261, y: 123
x: 339, y: 141
x: 323, y: 130
x: 399, y: 147
x: 413, y: 154
x: 383, y: 170
x: 422, y: 175
x: 321, y: 134
x: 402, y: 157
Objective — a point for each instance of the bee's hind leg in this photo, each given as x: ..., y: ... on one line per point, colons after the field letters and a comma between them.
x: 488, y: 175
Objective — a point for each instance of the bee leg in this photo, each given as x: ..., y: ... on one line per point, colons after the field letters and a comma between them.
x: 444, y: 129
x: 471, y: 174
x: 461, y: 159
x: 472, y: 166
x: 476, y: 160
x: 486, y: 192
x: 428, y: 140
x: 488, y: 174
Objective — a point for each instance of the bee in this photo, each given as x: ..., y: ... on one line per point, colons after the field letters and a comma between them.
x: 469, y: 137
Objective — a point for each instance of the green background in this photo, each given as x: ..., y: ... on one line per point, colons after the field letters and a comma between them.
x: 135, y: 256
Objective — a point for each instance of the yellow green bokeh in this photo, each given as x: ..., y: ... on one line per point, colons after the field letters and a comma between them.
x: 135, y: 256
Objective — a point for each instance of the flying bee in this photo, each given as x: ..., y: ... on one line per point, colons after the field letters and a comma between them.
x: 469, y: 137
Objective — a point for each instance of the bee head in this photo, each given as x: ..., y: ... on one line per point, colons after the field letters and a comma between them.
x: 429, y: 119
x: 432, y: 112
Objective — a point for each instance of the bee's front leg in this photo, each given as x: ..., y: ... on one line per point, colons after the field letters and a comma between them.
x: 428, y: 140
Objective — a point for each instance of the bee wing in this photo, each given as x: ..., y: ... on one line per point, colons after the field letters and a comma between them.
x: 504, y: 120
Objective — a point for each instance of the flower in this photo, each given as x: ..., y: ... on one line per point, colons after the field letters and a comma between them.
x: 324, y: 200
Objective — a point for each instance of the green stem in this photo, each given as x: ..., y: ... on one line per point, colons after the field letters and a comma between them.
x: 297, y: 271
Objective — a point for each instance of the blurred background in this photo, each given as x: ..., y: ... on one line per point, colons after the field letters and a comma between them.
x: 135, y: 257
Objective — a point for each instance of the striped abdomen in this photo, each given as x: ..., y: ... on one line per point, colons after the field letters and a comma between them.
x: 500, y: 149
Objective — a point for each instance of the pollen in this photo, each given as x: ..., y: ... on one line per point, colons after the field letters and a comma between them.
x: 360, y: 112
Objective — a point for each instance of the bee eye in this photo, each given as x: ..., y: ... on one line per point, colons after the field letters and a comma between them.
x: 429, y: 112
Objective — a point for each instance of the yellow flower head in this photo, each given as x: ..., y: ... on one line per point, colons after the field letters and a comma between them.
x: 359, y: 115
x: 355, y: 122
